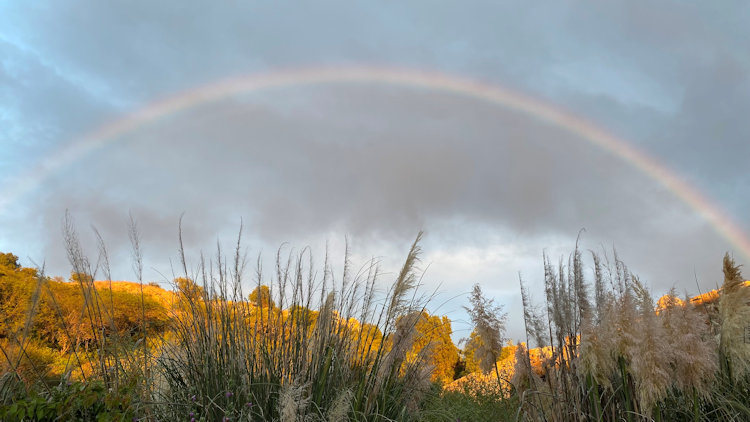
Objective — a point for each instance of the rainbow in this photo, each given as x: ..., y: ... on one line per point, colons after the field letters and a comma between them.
x: 439, y: 82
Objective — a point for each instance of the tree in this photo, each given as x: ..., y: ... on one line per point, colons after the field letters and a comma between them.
x: 261, y: 296
x: 16, y: 288
x: 433, y: 339
x: 470, y: 352
x: 489, y: 324
x: 9, y: 261
x: 189, y: 289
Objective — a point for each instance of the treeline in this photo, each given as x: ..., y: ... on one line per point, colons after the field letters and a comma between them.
x: 49, y: 318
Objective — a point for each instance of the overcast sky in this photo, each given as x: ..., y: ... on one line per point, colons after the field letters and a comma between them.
x: 492, y: 188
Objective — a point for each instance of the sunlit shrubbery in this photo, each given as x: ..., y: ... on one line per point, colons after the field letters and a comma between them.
x: 478, y: 384
x: 305, y: 344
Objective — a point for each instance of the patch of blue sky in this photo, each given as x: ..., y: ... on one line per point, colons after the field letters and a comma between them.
x: 24, y: 51
x: 616, y: 80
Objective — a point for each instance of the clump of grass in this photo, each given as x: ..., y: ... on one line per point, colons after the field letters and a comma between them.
x: 309, y: 347
x: 459, y: 406
x: 650, y: 356
x: 693, y: 346
x: 304, y: 344
x: 622, y: 358
x: 309, y: 344
x: 734, y: 315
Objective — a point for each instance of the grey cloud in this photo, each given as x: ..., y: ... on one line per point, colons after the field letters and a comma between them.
x: 385, y: 170
x: 376, y: 162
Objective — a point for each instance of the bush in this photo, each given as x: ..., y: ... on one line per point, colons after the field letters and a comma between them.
x: 78, y: 401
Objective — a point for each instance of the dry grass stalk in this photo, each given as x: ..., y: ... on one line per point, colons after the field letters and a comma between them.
x: 693, y: 349
x: 734, y: 313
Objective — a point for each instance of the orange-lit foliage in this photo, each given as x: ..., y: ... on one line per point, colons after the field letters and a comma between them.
x: 80, y: 314
x: 433, y: 339
x: 705, y: 298
x: 17, y: 285
x: 710, y: 298
x: 188, y: 289
x: 261, y: 296
x: 369, y: 338
x: 469, y: 352
x: 668, y: 301
x: 52, y: 318
x: 62, y: 321
x: 472, y: 362
x: 478, y: 384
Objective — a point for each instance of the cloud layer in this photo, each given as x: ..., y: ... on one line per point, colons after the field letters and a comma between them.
x: 493, y: 188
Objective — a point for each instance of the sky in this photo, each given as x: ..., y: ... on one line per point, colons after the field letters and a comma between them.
x: 371, y: 162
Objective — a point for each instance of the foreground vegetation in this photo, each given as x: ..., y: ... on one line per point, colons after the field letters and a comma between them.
x: 310, y: 345
x: 620, y: 356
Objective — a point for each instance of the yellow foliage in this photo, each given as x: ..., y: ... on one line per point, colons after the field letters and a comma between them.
x: 83, y: 315
x: 478, y: 384
x: 261, y: 296
x: 432, y: 339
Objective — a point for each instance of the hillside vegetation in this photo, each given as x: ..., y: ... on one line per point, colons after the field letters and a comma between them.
x: 306, y: 344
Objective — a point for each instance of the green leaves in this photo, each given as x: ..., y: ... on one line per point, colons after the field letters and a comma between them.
x: 79, y: 401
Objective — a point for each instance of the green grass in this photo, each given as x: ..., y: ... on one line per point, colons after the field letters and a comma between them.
x: 447, y: 406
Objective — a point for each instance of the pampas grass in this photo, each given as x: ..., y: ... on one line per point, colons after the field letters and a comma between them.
x: 692, y: 346
x: 734, y: 314
x: 489, y: 323
x: 649, y: 354
x: 311, y: 344
x: 622, y: 357
x: 293, y: 403
x: 339, y: 410
x: 305, y: 345
x: 293, y: 362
